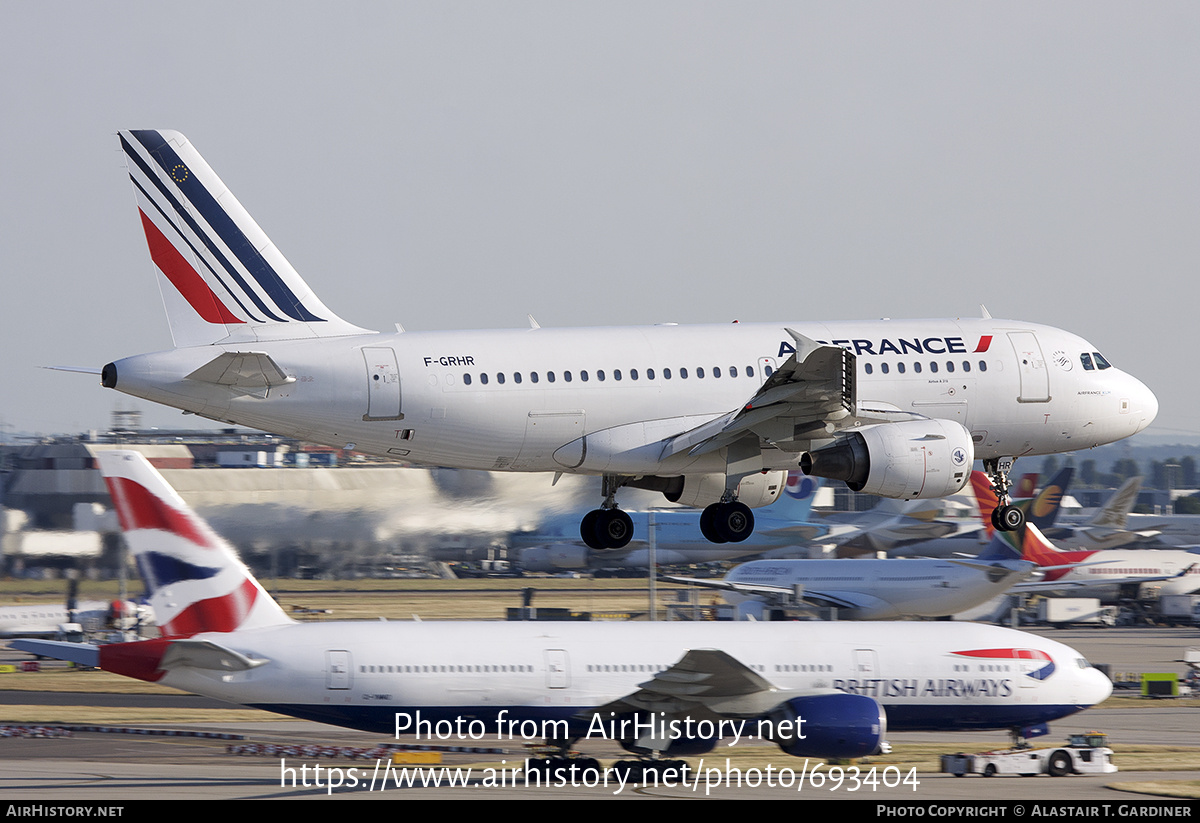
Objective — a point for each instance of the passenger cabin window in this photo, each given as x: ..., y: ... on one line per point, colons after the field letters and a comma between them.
x: 466, y: 379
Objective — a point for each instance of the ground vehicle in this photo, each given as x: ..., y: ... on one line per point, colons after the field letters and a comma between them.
x: 1083, y: 754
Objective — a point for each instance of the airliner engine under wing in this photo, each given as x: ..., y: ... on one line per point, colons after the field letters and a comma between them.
x: 225, y: 637
x: 710, y: 415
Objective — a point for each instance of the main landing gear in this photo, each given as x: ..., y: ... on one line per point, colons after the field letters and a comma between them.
x: 1006, y: 517
x: 607, y: 527
x: 727, y: 522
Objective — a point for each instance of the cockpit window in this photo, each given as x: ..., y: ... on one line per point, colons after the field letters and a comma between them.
x: 1101, y: 363
x: 1086, y: 359
x: 1082, y: 663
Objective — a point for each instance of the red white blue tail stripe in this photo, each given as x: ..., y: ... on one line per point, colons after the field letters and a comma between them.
x: 221, y: 276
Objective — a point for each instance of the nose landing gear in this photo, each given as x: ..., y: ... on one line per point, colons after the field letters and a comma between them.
x: 1006, y: 517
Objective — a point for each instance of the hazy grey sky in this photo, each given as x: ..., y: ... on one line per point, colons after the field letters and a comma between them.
x: 461, y: 164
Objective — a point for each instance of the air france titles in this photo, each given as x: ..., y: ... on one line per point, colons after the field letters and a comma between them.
x: 916, y: 345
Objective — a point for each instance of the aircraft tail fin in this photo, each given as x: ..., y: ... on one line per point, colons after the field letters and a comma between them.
x: 1044, y: 509
x: 985, y: 496
x: 221, y: 278
x: 194, y: 579
x: 1115, y: 512
x: 796, y: 502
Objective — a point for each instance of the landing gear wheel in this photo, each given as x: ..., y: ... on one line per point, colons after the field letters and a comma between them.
x: 1060, y: 764
x: 1008, y: 518
x: 614, y: 529
x: 734, y: 521
x: 708, y: 525
x: 587, y: 529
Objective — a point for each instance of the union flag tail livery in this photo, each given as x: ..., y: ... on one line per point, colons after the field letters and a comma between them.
x: 221, y: 278
x: 194, y: 579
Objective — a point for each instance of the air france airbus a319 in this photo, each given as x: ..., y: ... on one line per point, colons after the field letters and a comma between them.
x: 711, y: 416
x: 225, y: 637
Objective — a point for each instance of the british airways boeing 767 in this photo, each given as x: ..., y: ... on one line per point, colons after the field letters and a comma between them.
x: 710, y: 415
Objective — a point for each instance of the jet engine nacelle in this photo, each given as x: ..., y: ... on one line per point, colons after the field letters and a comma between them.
x: 755, y: 490
x: 555, y: 558
x: 908, y: 460
x: 828, y: 725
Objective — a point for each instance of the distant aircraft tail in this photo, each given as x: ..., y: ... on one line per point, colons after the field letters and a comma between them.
x: 796, y: 502
x: 1041, y: 511
x: 194, y: 579
x: 1115, y: 512
x: 221, y: 277
x: 1026, y: 544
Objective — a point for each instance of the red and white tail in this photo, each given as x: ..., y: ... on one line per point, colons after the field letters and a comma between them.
x: 194, y: 579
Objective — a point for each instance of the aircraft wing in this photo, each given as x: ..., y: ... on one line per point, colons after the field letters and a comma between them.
x: 841, y: 600
x: 813, y: 387
x: 704, y: 684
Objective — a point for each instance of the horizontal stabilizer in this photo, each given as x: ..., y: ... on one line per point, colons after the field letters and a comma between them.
x: 248, y: 371
x: 204, y: 654
x: 80, y: 654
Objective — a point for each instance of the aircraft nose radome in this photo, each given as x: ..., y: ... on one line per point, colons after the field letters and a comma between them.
x: 1149, y: 406
x: 1099, y: 687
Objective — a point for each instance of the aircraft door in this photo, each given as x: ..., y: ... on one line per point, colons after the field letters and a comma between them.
x: 383, y: 384
x: 558, y: 671
x: 1031, y: 365
x: 866, y: 663
x: 338, y: 671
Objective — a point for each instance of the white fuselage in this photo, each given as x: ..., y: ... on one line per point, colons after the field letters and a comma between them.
x: 926, y: 676
x: 1113, y: 573
x: 599, y: 400
x: 869, y: 589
